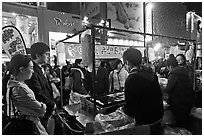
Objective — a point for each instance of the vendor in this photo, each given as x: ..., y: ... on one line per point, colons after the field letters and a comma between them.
x: 143, y: 95
x: 117, y: 77
x: 180, y: 92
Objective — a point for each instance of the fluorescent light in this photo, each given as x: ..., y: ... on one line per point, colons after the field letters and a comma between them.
x: 115, y: 41
x: 131, y: 42
x: 121, y: 41
x: 110, y: 41
x: 14, y: 14
x: 149, y: 6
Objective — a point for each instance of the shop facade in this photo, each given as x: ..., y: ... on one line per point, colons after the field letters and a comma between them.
x: 37, y: 23
x: 24, y: 18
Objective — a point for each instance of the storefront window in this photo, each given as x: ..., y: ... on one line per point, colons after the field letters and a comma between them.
x: 27, y: 25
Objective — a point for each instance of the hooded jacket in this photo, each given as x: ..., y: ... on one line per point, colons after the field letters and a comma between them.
x: 143, y: 97
x: 179, y: 87
x: 78, y: 80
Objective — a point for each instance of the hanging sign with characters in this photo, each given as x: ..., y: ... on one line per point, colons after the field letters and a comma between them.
x: 12, y: 41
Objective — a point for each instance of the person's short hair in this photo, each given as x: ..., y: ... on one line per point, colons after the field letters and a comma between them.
x: 183, y: 56
x: 102, y: 63
x: 171, y: 56
x: 18, y: 61
x: 171, y: 62
x: 132, y: 55
x: 116, y: 62
x: 77, y: 62
x: 38, y: 48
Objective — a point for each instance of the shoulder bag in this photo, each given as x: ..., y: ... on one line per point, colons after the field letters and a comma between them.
x: 18, y: 126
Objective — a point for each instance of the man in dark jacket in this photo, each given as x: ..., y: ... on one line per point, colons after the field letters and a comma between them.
x: 180, y: 91
x: 142, y: 93
x: 39, y: 83
x: 101, y: 79
x: 78, y: 77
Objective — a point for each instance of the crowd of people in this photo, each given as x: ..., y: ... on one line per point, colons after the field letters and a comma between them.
x: 35, y: 85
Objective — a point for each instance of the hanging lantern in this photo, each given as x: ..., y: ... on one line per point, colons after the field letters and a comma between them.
x: 61, y: 56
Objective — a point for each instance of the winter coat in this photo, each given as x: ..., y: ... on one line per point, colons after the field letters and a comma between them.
x: 179, y: 87
x: 143, y: 97
x: 78, y: 78
x: 101, y: 82
x: 41, y: 86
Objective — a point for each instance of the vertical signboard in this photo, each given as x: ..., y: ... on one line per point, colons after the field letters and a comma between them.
x: 149, y: 25
x: 12, y: 41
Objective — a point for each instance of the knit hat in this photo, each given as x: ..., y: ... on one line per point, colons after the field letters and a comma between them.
x: 117, y: 61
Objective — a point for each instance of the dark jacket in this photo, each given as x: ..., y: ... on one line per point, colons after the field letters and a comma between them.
x: 190, y: 71
x: 5, y: 80
x: 179, y: 87
x: 42, y: 89
x: 78, y: 80
x: 101, y: 81
x: 143, y: 97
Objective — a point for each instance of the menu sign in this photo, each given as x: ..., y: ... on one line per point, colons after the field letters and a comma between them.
x: 12, y: 41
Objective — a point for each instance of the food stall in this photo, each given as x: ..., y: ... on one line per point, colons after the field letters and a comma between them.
x: 93, y: 108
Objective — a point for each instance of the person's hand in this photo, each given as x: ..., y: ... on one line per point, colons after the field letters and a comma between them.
x: 162, y: 69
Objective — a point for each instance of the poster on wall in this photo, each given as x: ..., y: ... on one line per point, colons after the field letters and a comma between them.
x: 12, y: 41
x: 127, y: 16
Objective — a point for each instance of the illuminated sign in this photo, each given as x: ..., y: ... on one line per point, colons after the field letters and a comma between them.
x: 61, y: 22
x: 74, y: 51
x: 148, y: 21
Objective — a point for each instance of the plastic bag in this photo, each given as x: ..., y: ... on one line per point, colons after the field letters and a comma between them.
x: 176, y: 131
x: 56, y: 92
x: 115, y: 120
x: 51, y: 125
x: 75, y: 102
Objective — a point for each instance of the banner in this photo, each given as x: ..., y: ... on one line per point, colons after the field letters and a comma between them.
x: 74, y: 51
x: 12, y: 41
